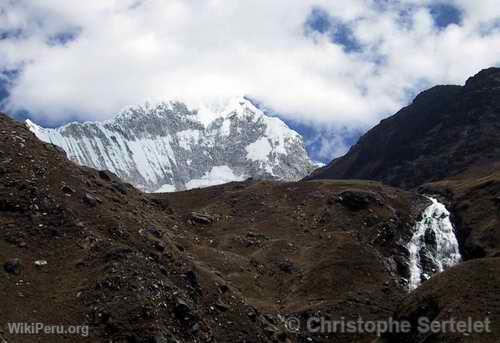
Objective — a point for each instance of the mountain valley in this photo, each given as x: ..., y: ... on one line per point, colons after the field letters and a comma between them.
x: 233, y: 262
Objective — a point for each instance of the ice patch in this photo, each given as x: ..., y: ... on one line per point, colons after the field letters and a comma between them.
x: 216, y: 176
x: 259, y: 150
x: 166, y: 189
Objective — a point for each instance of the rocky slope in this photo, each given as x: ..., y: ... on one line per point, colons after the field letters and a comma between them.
x: 222, y: 264
x: 169, y: 146
x: 466, y: 292
x: 448, y: 131
x: 107, y: 257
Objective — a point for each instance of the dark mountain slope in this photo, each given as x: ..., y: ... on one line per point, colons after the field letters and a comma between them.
x: 469, y: 290
x: 447, y: 131
x: 79, y: 247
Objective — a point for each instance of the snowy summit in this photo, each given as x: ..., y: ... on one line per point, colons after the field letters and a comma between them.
x: 173, y: 146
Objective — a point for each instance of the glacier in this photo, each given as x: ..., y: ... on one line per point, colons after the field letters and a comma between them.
x: 173, y: 146
x: 434, y: 246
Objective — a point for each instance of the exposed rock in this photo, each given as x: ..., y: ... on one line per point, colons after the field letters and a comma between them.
x: 192, y: 278
x: 372, y: 220
x: 90, y: 200
x: 67, y: 190
x: 287, y: 266
x: 430, y: 239
x: 201, y: 218
x: 252, y: 313
x: 13, y: 266
x: 107, y: 175
x: 356, y: 199
x: 154, y: 232
x: 221, y: 306
x: 182, y: 310
x: 120, y: 187
x: 40, y: 263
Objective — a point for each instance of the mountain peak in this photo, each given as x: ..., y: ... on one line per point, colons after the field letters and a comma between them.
x: 171, y: 145
x: 489, y: 77
x: 446, y: 131
x: 204, y: 111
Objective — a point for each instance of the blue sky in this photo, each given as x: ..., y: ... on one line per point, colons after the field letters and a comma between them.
x: 339, y: 32
x: 330, y: 69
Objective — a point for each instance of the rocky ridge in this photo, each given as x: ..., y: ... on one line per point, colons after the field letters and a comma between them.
x: 446, y: 132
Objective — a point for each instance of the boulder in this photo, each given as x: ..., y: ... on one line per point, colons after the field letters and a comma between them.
x: 90, y: 200
x: 13, y: 266
x: 357, y: 199
x: 201, y: 218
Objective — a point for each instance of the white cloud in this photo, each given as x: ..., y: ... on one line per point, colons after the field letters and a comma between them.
x: 332, y: 147
x: 131, y: 51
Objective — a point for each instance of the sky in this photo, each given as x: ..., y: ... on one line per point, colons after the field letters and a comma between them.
x: 331, y: 69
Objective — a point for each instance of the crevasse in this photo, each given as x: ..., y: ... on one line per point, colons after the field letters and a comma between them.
x: 434, y: 246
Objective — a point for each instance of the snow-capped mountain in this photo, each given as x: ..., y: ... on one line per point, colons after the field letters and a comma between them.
x: 171, y: 146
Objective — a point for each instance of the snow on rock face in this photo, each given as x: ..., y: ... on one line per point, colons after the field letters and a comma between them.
x: 216, y: 176
x: 434, y: 246
x: 259, y: 150
x: 166, y: 189
x: 170, y: 146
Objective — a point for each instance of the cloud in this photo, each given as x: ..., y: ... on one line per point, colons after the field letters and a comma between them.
x: 345, y: 63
